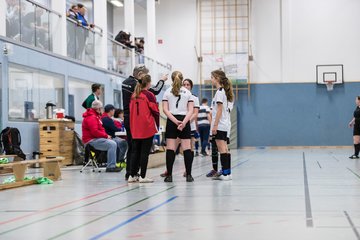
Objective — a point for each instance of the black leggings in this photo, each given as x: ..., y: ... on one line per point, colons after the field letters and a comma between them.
x: 140, y: 155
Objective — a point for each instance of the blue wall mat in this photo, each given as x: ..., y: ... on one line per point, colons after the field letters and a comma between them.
x: 295, y: 114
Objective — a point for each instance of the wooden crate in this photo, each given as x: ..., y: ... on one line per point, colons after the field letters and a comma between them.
x: 57, y: 138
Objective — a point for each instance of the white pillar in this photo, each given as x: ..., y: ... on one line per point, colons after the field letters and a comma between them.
x: 150, y: 46
x: 58, y: 27
x: 3, y: 18
x: 100, y: 20
x: 129, y: 23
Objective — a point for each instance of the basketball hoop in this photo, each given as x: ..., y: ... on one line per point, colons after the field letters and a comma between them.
x: 330, y: 86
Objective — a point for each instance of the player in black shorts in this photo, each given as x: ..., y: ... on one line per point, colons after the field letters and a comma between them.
x: 224, y: 96
x: 178, y: 106
x: 355, y: 123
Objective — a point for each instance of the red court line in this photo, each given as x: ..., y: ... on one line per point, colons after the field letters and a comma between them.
x: 67, y: 203
x: 61, y: 205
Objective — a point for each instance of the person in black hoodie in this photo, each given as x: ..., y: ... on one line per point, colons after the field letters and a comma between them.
x: 111, y: 129
x: 128, y: 87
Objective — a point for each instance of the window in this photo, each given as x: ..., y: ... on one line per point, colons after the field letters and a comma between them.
x: 29, y: 91
x: 79, y: 90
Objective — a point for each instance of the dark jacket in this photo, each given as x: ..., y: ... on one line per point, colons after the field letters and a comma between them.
x: 123, y: 38
x: 128, y: 87
x: 109, y: 125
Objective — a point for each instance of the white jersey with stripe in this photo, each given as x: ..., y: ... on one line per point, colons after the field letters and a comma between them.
x: 220, y: 98
x: 196, y: 105
x: 178, y: 105
x: 203, y: 115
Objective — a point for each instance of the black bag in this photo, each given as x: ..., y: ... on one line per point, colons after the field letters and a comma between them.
x: 10, y: 140
x: 79, y: 150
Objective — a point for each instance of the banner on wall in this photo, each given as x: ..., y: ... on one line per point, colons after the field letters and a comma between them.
x: 234, y: 65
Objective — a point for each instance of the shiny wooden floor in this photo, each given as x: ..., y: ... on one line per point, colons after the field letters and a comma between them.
x: 274, y: 194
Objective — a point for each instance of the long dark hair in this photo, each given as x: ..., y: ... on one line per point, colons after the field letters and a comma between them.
x: 141, y: 85
x: 225, y: 83
x: 189, y: 81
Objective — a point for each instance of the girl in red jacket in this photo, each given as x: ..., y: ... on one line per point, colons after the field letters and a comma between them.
x: 144, y: 120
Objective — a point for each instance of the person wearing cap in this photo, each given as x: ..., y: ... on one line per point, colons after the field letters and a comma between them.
x: 128, y: 87
x: 111, y: 129
x: 93, y: 133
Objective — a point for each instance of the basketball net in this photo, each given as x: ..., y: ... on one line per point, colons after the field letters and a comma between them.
x: 329, y: 86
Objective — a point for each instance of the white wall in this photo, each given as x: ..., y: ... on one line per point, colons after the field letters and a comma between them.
x: 313, y: 32
x: 140, y: 21
x: 176, y: 26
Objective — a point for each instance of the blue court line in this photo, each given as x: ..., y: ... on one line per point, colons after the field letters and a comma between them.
x: 100, y: 235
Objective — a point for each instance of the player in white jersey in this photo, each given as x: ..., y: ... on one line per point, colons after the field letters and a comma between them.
x: 188, y: 84
x: 178, y: 106
x: 222, y: 100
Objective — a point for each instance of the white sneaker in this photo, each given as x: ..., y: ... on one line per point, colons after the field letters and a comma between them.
x: 145, y: 180
x: 225, y: 178
x: 132, y: 179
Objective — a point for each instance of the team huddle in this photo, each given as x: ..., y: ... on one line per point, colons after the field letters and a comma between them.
x: 181, y: 108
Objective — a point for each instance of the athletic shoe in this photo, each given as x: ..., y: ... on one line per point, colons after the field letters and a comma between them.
x: 196, y: 154
x: 168, y: 179
x: 217, y: 175
x: 115, y: 169
x: 211, y: 173
x: 184, y: 174
x: 132, y: 179
x: 145, y: 180
x: 204, y: 154
x: 354, y: 157
x: 189, y: 178
x: 225, y: 178
x: 164, y: 174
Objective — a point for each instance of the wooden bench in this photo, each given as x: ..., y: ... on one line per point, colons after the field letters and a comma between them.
x: 9, y: 170
x: 51, y: 170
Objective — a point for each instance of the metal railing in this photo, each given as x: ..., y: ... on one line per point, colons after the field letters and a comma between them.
x: 82, y: 41
x: 120, y: 60
x: 31, y: 23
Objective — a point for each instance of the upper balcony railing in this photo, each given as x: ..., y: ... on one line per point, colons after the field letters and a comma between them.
x: 82, y: 41
x: 31, y: 23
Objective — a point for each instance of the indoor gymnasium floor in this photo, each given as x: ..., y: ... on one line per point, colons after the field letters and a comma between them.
x: 275, y: 194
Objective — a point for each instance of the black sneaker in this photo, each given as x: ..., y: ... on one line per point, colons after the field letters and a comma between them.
x: 115, y: 169
x: 204, y: 154
x: 354, y: 157
x: 189, y: 178
x: 168, y: 179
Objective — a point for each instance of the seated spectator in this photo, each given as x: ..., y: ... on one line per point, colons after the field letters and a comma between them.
x: 111, y: 129
x: 81, y: 16
x: 119, y: 119
x: 96, y: 92
x: 93, y: 133
x: 123, y: 37
x: 73, y: 12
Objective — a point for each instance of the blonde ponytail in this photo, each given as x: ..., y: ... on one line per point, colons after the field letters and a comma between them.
x: 177, y: 79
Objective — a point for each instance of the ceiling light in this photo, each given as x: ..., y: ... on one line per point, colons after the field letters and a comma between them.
x: 116, y: 3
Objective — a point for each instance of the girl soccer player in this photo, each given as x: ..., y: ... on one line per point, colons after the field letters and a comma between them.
x: 144, y: 121
x: 178, y: 107
x: 221, y: 118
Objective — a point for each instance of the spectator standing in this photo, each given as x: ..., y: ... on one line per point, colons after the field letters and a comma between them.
x: 96, y: 92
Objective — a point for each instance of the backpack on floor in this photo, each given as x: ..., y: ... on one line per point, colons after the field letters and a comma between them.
x: 10, y: 141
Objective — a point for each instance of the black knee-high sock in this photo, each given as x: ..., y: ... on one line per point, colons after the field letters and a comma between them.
x: 357, y: 149
x: 188, y: 158
x: 214, y: 155
x: 225, y: 163
x: 170, y: 159
x: 229, y: 160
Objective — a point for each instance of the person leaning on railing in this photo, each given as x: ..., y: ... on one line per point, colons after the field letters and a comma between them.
x: 81, y: 16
